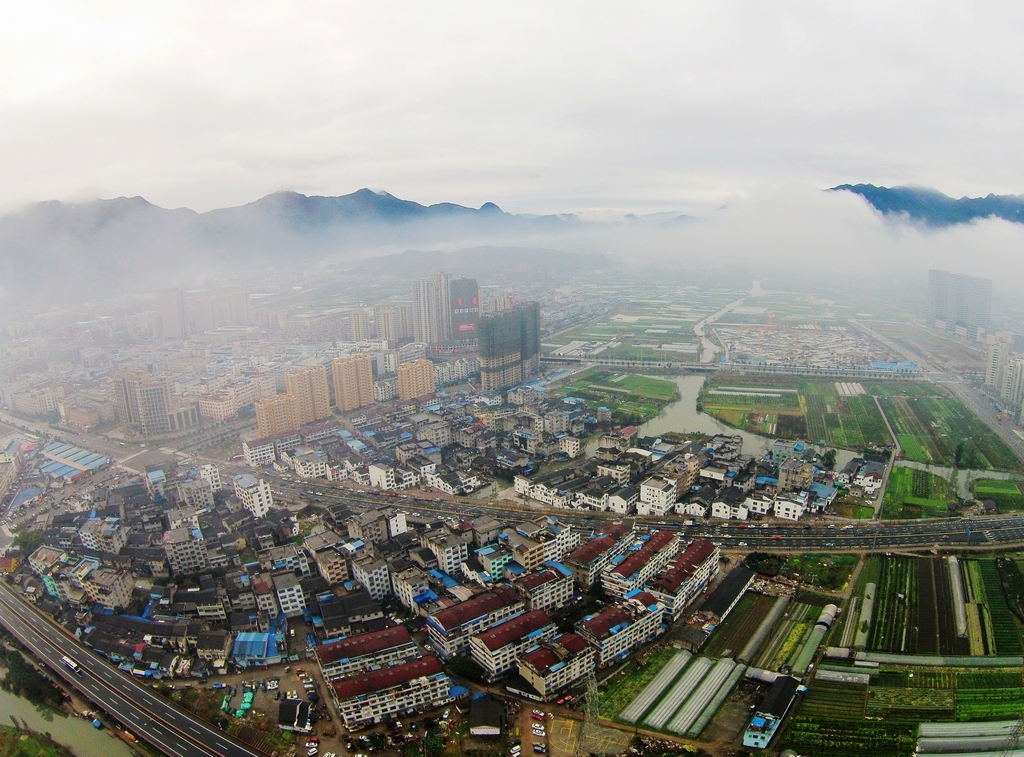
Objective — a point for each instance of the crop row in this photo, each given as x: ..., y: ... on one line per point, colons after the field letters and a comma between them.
x: 1005, y: 633
x: 836, y: 738
x: 893, y: 630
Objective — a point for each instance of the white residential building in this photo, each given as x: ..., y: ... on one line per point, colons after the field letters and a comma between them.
x: 789, y: 509
x: 728, y: 512
x: 186, y: 550
x: 408, y: 584
x: 374, y: 576
x: 211, y: 474
x: 657, y: 496
x: 255, y: 495
x: 624, y: 500
x: 259, y: 453
x: 290, y: 597
x: 570, y: 445
x: 449, y: 549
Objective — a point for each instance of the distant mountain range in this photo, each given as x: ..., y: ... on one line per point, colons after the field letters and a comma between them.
x: 55, y: 250
x: 933, y: 208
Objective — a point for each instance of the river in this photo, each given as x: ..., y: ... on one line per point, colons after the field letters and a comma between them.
x: 76, y: 734
x: 682, y: 416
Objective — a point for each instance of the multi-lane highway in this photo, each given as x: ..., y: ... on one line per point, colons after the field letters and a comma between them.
x: 991, y: 532
x: 149, y: 716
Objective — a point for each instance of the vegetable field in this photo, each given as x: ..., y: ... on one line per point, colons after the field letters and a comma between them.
x: 630, y: 397
x: 894, y: 629
x: 914, y: 608
x: 730, y: 637
x: 942, y: 431
x: 917, y: 494
x: 794, y: 409
x: 849, y: 720
x: 1006, y: 494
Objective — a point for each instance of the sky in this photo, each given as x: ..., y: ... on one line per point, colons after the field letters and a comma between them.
x: 540, y: 107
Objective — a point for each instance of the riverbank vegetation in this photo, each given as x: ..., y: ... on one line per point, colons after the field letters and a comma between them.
x: 17, y: 743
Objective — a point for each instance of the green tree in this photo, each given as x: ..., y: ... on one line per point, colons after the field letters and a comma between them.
x: 829, y: 458
x: 466, y: 667
x: 28, y: 541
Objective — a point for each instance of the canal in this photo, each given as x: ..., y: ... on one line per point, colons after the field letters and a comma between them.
x: 682, y: 416
x: 75, y: 733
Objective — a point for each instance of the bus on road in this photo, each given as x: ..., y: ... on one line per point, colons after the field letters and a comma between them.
x: 72, y: 665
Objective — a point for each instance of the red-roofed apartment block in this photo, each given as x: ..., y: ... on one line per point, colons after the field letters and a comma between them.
x: 554, y: 667
x: 593, y: 556
x: 497, y: 649
x: 619, y: 629
x: 348, y: 656
x: 545, y: 589
x: 391, y: 692
x: 450, y: 629
x: 640, y: 565
x: 687, y: 577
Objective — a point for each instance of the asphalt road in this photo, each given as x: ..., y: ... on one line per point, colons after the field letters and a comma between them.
x: 149, y: 716
x: 992, y: 532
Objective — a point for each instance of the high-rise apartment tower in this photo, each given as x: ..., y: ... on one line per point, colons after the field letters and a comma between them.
x: 509, y: 346
x: 957, y: 299
x: 353, y: 381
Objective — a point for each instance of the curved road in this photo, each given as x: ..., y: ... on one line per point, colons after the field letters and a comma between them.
x: 148, y: 715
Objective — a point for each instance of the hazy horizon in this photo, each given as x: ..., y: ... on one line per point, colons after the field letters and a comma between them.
x: 540, y: 108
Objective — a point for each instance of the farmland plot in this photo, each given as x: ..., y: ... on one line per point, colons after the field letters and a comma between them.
x: 894, y: 629
x: 796, y: 409
x: 1006, y: 494
x: 941, y: 430
x: 732, y: 635
x: 917, y: 494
